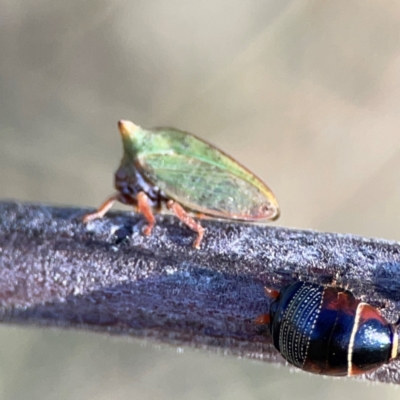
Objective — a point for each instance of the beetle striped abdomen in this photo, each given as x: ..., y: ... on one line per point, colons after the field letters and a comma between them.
x: 298, y: 323
x: 326, y: 330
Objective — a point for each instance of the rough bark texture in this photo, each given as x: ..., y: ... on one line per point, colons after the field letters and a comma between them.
x: 108, y: 277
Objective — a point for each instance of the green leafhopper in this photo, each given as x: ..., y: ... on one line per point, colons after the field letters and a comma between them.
x: 166, y: 166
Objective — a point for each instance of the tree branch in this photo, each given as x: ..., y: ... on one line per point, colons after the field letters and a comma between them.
x: 108, y: 277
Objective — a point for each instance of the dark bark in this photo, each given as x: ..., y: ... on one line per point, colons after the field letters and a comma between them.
x: 108, y: 277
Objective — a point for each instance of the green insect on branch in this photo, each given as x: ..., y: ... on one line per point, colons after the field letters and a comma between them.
x: 175, y: 168
x: 108, y: 277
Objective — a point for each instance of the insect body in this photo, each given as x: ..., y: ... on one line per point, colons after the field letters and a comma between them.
x: 171, y: 167
x: 326, y: 330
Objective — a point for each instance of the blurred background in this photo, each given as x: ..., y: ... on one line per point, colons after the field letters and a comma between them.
x: 305, y: 93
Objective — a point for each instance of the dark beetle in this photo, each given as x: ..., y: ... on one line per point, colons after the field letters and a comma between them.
x: 326, y: 330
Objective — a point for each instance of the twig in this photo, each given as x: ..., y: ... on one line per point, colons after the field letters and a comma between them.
x: 108, y: 277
